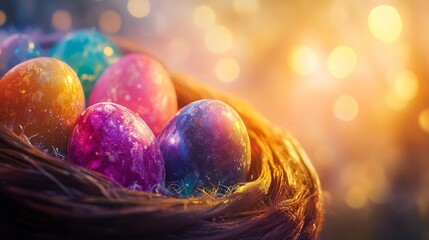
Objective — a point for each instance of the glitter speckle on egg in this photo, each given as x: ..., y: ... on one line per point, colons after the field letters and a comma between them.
x: 141, y: 84
x: 111, y: 139
x: 41, y: 99
x: 205, y: 146
x: 15, y: 49
x: 89, y: 53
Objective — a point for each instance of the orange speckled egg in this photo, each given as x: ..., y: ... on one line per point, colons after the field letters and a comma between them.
x: 41, y: 99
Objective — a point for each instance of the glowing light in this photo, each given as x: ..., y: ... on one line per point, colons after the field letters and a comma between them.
x: 227, y: 70
x: 346, y: 108
x: 303, y: 60
x: 406, y: 85
x: 3, y: 17
x: 178, y: 49
x: 424, y: 120
x: 61, y: 20
x: 110, y: 21
x: 138, y: 8
x: 385, y: 23
x: 218, y: 39
x: 356, y: 197
x: 246, y: 6
x: 341, y: 61
x: 108, y: 51
x: 393, y: 101
x: 204, y: 17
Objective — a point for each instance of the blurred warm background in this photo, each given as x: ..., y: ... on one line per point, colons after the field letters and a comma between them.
x: 348, y: 78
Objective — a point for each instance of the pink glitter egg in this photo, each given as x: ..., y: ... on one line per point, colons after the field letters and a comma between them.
x: 111, y: 139
x: 141, y: 84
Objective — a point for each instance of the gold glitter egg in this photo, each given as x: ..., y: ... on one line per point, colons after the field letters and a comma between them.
x: 41, y: 99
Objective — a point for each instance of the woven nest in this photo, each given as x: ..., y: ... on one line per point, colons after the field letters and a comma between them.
x: 43, y: 197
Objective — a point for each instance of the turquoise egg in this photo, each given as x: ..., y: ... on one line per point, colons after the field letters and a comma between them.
x: 89, y: 53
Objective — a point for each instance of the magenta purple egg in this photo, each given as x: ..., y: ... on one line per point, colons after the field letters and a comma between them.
x: 141, y: 84
x: 205, y: 146
x: 111, y: 139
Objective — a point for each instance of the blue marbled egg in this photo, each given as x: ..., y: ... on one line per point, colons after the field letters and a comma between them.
x: 15, y: 49
x: 205, y: 146
x: 89, y: 53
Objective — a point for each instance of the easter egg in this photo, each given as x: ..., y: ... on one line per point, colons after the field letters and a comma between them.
x: 41, y: 99
x: 141, y: 84
x: 205, y: 146
x: 88, y: 52
x: 15, y: 49
x: 111, y: 139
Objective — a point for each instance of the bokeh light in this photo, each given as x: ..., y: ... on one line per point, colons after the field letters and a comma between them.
x: 406, y: 85
x: 61, y: 20
x: 385, y: 23
x: 393, y: 101
x: 341, y: 61
x: 227, y: 70
x: 204, y: 17
x: 356, y: 197
x: 424, y: 120
x: 246, y: 6
x: 346, y: 108
x: 303, y: 60
x: 108, y: 51
x: 138, y: 8
x: 218, y: 39
x: 110, y: 21
x: 3, y: 17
